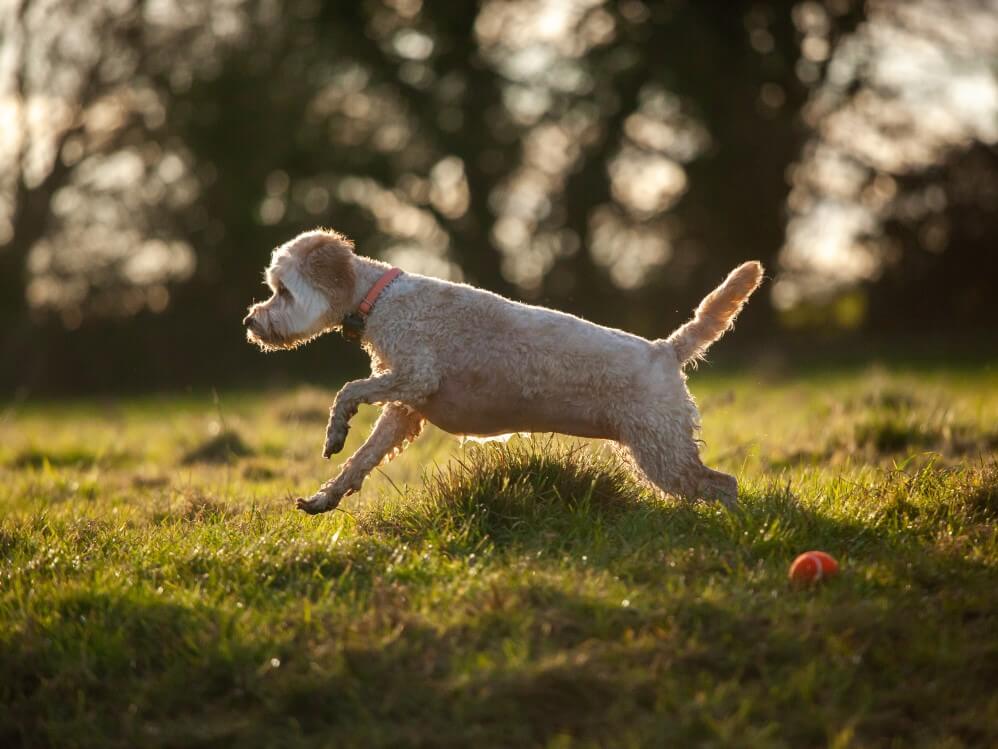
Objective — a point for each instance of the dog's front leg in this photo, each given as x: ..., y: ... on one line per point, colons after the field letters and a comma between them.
x: 410, y: 386
x: 397, y: 425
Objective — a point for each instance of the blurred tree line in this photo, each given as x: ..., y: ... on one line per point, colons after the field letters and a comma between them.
x: 611, y: 158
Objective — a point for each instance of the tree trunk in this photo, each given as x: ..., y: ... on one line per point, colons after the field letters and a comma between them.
x: 20, y: 359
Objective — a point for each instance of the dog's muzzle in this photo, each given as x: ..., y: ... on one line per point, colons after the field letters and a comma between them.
x: 252, y: 325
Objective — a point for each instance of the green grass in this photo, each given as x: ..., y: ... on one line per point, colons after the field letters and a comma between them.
x: 158, y: 589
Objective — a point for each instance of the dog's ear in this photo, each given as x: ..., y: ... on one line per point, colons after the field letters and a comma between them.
x: 329, y: 265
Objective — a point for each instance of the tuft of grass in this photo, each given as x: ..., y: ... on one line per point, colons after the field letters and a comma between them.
x: 978, y: 492
x: 891, y: 432
x: 891, y: 421
x: 259, y: 472
x: 224, y: 447
x: 496, y: 492
x: 195, y: 506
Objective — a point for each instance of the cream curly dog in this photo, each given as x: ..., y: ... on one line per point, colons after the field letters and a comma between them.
x: 474, y: 363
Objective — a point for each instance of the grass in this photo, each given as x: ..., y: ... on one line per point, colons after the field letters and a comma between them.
x: 157, y: 589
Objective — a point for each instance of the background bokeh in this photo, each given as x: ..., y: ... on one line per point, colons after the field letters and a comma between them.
x: 613, y: 159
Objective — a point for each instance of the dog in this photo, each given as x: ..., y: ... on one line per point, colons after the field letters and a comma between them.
x: 475, y: 363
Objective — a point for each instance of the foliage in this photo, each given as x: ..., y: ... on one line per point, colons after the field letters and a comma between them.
x: 597, y: 156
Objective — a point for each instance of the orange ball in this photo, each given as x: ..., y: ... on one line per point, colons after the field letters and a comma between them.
x: 812, y: 567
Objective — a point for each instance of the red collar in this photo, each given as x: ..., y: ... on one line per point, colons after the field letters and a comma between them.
x: 353, y: 324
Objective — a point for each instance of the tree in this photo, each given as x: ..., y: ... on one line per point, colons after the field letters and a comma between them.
x: 889, y: 203
x: 94, y: 184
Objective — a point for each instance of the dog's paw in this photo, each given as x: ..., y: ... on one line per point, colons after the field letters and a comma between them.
x: 335, y: 439
x: 318, y: 502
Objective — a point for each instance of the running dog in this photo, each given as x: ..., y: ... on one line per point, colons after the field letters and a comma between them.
x: 475, y: 363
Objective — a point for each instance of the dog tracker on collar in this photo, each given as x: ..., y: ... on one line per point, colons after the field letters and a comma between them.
x: 353, y: 327
x: 353, y: 324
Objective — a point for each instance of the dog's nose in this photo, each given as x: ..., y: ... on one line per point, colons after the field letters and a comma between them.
x: 249, y: 322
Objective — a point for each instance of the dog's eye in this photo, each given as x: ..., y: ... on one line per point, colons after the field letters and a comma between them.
x: 282, y: 291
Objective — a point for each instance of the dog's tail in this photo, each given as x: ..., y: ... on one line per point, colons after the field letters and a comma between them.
x: 716, y: 312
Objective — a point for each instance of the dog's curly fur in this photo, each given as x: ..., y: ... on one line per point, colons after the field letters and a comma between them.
x: 475, y: 363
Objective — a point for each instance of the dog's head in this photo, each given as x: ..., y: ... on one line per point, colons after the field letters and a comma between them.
x: 312, y: 283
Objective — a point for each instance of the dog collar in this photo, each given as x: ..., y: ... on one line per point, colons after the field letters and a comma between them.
x: 353, y: 324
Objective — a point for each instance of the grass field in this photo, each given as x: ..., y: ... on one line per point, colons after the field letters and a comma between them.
x: 158, y: 589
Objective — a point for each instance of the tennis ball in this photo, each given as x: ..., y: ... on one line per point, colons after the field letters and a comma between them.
x: 812, y: 567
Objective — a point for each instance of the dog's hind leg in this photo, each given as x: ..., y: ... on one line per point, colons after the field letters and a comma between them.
x: 397, y: 425
x: 718, y: 486
x: 669, y: 460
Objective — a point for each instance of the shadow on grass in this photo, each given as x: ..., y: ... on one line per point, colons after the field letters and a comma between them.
x: 72, y: 457
x: 99, y: 669
x: 692, y: 672
x: 116, y: 670
x: 102, y: 669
